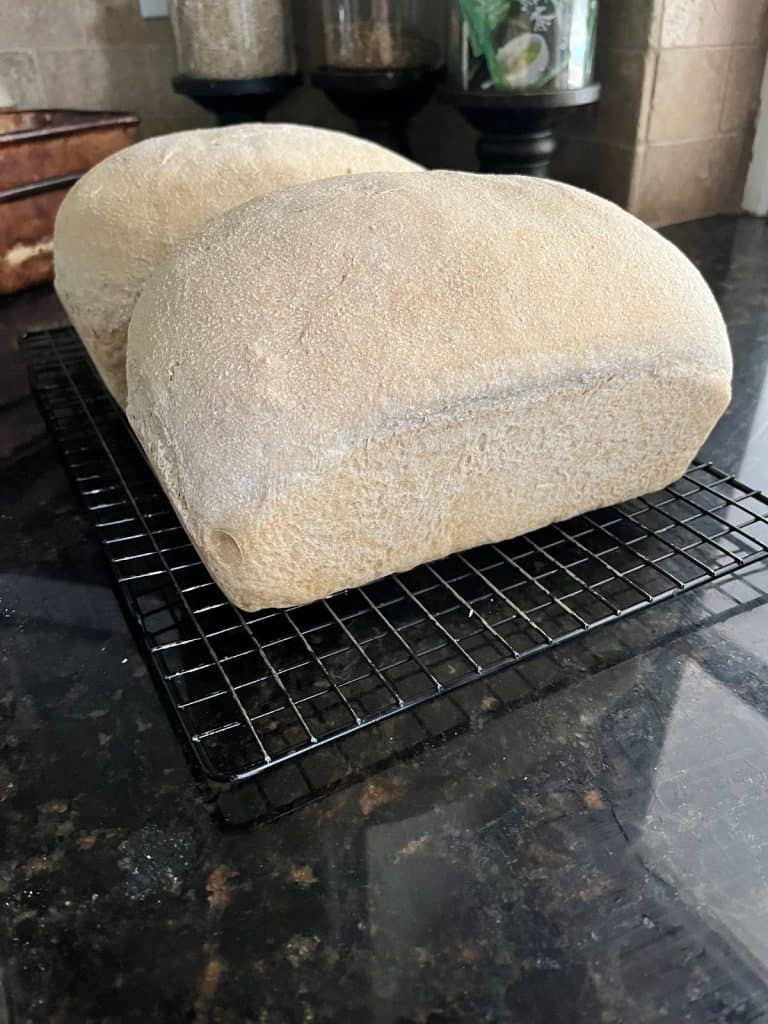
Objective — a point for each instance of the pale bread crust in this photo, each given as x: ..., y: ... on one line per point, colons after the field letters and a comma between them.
x: 352, y: 377
x: 121, y: 219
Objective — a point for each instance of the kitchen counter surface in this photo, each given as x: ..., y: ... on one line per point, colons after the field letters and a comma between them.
x: 584, y: 838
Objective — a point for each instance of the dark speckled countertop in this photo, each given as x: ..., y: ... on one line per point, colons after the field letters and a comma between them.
x: 586, y: 839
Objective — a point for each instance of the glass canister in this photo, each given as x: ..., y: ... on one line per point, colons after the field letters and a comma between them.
x: 522, y: 45
x: 376, y: 35
x: 230, y: 39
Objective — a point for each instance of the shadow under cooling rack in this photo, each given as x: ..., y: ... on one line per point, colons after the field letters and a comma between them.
x: 251, y: 691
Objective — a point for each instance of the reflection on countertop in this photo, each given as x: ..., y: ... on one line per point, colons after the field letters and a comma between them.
x: 583, y: 838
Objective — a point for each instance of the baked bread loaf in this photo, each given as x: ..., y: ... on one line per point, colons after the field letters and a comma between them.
x: 121, y: 219
x: 352, y: 377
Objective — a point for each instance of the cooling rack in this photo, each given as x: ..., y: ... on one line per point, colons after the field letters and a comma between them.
x: 252, y: 691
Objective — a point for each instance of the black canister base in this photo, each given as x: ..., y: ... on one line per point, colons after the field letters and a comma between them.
x: 236, y: 100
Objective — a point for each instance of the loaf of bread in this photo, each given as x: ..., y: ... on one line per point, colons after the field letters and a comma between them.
x: 351, y: 377
x: 121, y: 219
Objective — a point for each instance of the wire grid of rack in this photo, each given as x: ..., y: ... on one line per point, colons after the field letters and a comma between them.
x: 251, y: 691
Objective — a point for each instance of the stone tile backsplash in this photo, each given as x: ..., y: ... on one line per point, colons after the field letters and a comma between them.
x: 712, y: 22
x: 742, y: 93
x: 685, y: 180
x: 688, y: 94
x: 20, y: 79
x: 681, y: 86
x: 92, y: 54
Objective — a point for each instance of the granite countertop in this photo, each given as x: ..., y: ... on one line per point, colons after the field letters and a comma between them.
x: 583, y: 838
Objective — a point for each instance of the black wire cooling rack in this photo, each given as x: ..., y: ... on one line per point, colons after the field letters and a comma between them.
x: 252, y: 691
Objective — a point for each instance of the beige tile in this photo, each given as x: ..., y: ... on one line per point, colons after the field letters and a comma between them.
x: 636, y: 179
x: 748, y: 140
x: 161, y: 66
x: 646, y: 98
x: 626, y: 24
x: 135, y: 78
x: 614, y: 172
x: 749, y: 23
x: 156, y: 92
x: 34, y: 23
x: 742, y: 93
x: 119, y: 23
x: 622, y: 73
x: 657, y: 21
x: 690, y: 23
x: 682, y: 181
x: 110, y: 78
x: 688, y: 94
x: 713, y: 22
x: 159, y: 33
x: 597, y: 166
x: 155, y: 96
x: 742, y: 161
x: 19, y: 80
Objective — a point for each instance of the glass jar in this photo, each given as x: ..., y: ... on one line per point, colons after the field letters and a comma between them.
x: 522, y: 45
x: 376, y: 35
x: 233, y: 38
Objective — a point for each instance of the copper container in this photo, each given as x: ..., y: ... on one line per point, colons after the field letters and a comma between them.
x: 42, y: 154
